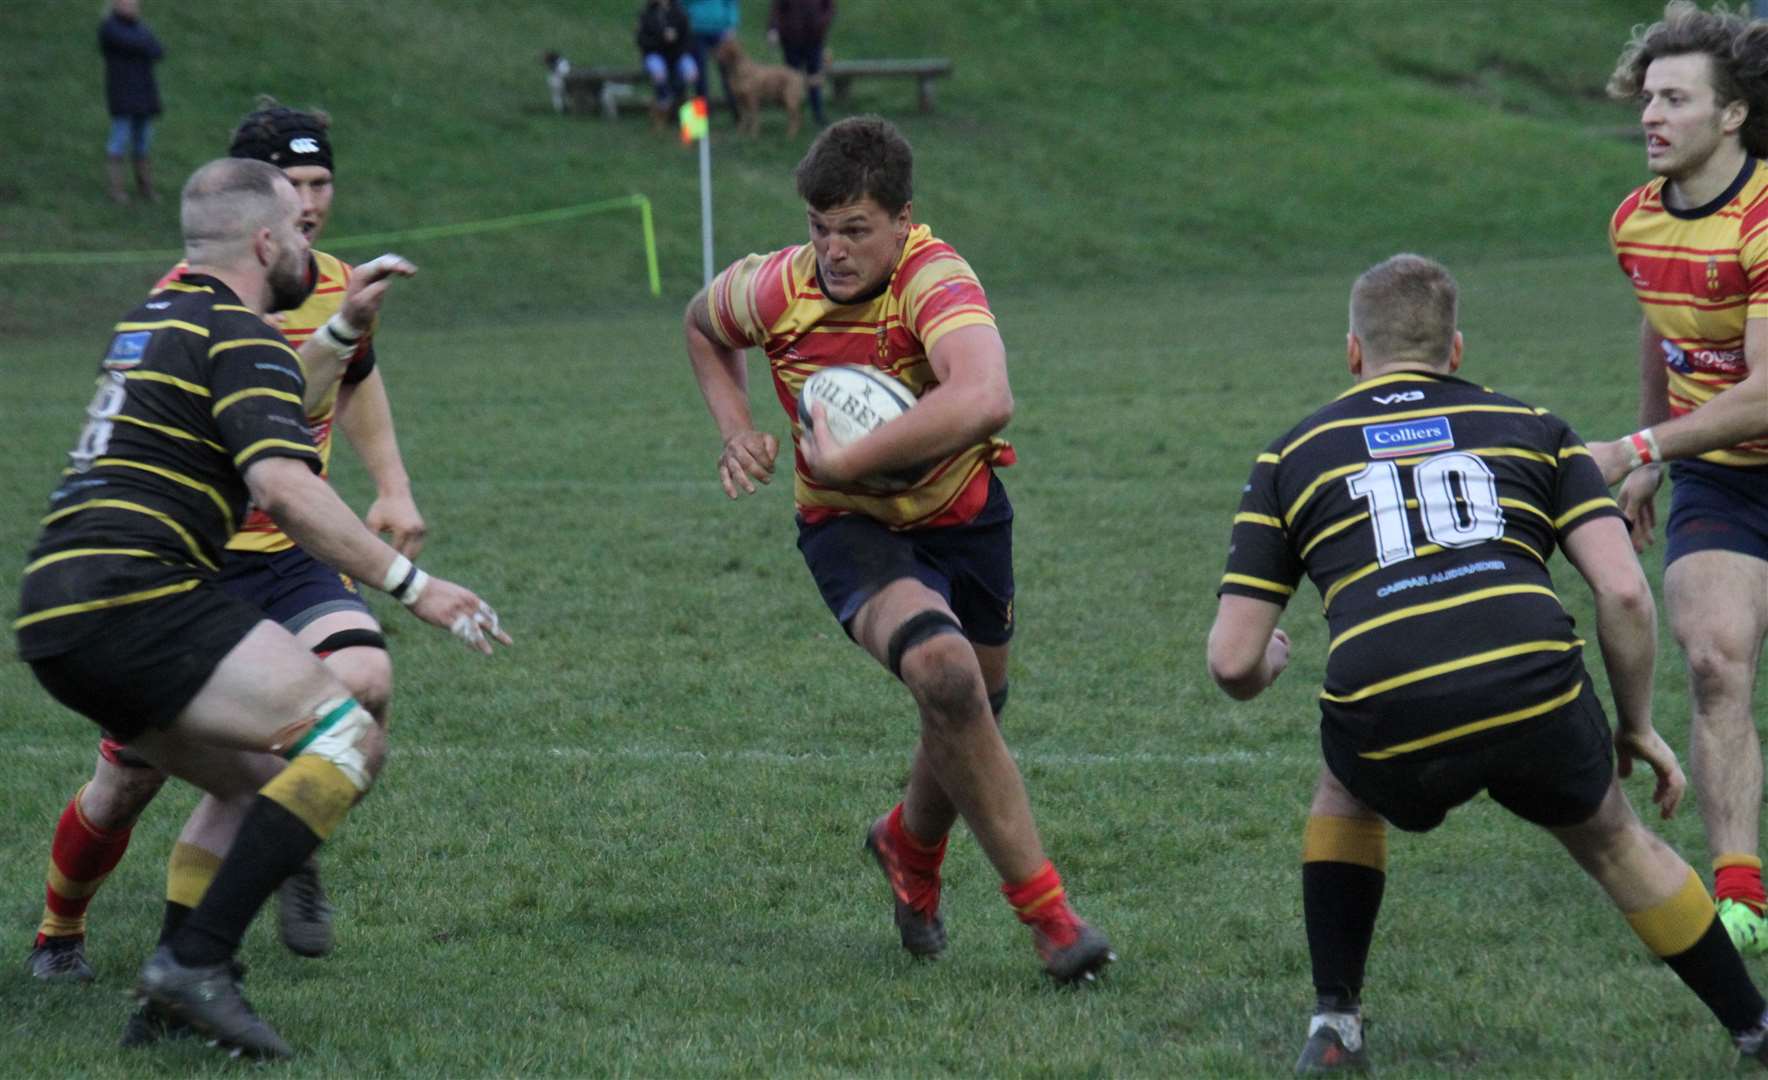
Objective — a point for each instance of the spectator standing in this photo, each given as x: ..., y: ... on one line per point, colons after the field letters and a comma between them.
x: 130, y: 52
x: 712, y: 22
x: 668, y: 57
x: 801, y: 29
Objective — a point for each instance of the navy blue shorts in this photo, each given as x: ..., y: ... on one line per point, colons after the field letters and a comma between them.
x: 1554, y: 772
x: 1716, y: 508
x: 971, y: 565
x: 290, y: 586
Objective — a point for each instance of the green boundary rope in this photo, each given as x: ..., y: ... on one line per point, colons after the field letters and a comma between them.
x: 433, y: 232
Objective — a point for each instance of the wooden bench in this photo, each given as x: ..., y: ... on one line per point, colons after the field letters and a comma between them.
x: 586, y: 83
x: 841, y: 74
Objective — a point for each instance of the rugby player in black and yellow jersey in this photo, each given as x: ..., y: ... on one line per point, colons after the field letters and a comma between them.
x: 1693, y: 243
x: 200, y: 411
x: 1424, y: 509
x: 264, y: 567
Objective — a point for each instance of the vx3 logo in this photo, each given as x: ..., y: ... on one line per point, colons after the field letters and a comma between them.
x: 1403, y: 395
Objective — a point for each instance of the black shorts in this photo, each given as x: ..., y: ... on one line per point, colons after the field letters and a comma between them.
x: 290, y: 586
x: 1554, y: 773
x: 1716, y: 508
x: 149, y: 660
x: 852, y: 557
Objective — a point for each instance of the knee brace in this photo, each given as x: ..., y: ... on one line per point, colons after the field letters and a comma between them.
x: 350, y: 639
x: 327, y: 770
x: 339, y: 727
x: 916, y: 629
x: 997, y: 702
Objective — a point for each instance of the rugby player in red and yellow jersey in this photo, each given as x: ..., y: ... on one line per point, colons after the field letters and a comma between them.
x: 921, y: 578
x: 264, y: 568
x: 1694, y: 244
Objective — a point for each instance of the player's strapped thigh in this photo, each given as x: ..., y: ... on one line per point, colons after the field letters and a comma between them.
x: 331, y: 756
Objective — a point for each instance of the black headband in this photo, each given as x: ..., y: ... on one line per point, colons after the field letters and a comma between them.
x: 283, y: 138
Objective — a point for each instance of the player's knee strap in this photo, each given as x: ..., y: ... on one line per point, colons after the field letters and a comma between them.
x: 916, y: 629
x: 350, y: 639
x: 340, y: 727
x: 997, y: 702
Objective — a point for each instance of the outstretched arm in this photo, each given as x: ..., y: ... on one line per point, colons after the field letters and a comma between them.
x: 366, y: 417
x: 305, y: 507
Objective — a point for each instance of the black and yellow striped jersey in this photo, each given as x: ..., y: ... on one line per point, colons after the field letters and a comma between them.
x: 1424, y: 509
x: 193, y: 388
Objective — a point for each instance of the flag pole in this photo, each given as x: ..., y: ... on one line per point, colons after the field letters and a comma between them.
x: 694, y: 128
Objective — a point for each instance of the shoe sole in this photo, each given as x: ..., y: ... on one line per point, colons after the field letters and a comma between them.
x: 917, y: 936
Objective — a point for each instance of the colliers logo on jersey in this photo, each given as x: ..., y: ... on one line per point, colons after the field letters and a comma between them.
x: 1404, y: 437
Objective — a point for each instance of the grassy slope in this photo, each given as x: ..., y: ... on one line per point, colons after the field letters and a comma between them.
x: 1133, y: 142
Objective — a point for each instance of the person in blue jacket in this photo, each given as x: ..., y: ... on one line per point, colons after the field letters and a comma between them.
x: 712, y: 22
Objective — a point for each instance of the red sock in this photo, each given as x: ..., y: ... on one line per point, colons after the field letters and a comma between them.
x: 1739, y: 877
x: 79, y: 859
x: 1041, y: 902
x: 918, y: 856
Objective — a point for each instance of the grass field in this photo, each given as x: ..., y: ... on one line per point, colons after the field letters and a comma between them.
x: 630, y: 844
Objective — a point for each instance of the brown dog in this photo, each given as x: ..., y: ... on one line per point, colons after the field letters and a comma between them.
x: 753, y: 84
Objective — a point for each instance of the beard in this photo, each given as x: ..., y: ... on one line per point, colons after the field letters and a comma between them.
x: 291, y: 282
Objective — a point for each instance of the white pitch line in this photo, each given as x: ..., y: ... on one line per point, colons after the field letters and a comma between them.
x: 839, y: 759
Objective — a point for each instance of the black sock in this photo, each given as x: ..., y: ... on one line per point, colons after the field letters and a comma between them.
x: 1340, y: 902
x: 272, y: 843
x: 174, y: 918
x: 1714, y: 971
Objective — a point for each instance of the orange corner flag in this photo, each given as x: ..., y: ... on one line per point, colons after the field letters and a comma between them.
x: 693, y: 120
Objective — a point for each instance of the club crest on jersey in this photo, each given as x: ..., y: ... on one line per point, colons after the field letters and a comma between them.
x: 126, y: 350
x: 1712, y: 275
x: 1402, y: 437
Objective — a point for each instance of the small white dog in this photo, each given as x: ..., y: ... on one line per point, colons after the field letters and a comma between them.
x: 579, y: 91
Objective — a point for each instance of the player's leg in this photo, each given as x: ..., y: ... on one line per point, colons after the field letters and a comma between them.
x: 911, y: 629
x: 910, y: 842
x: 1668, y: 907
x: 1343, y: 877
x: 1718, y: 603
x: 90, y: 839
x: 266, y: 695
x: 327, y: 615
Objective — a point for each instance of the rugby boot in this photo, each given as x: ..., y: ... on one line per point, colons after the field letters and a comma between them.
x: 209, y: 1000
x: 1072, y: 951
x: 1748, y: 931
x: 150, y: 1024
x: 61, y: 960
x: 916, y: 895
x: 304, y: 913
x: 1335, y: 1044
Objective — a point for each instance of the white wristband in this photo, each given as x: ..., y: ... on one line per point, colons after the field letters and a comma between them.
x: 334, y: 336
x: 404, y: 581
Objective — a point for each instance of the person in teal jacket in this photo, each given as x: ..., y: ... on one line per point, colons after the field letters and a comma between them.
x: 712, y: 21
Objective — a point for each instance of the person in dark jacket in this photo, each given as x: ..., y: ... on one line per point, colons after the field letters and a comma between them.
x: 130, y: 52
x: 801, y: 29
x: 668, y: 56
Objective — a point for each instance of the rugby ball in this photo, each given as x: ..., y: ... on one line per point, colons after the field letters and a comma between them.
x: 855, y: 401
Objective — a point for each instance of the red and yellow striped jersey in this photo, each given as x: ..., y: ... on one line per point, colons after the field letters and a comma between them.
x: 1700, y: 275
x: 331, y: 278
x: 773, y: 302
